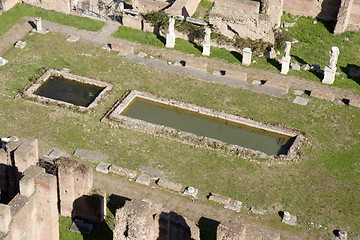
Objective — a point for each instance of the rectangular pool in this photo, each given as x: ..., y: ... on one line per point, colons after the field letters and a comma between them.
x: 202, y: 125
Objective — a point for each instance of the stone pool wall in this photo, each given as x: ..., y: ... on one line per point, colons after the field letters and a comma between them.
x: 190, y: 138
x: 30, y: 92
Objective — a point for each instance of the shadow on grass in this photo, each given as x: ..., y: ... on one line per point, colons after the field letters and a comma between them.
x: 100, y: 231
x: 299, y: 60
x: 237, y: 55
x: 353, y: 68
x: 329, y: 25
x: 161, y: 38
x: 208, y: 228
x: 275, y: 63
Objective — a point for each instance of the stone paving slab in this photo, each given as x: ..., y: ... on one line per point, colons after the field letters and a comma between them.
x: 152, y: 172
x: 103, y: 167
x: 92, y: 155
x: 301, y: 101
x: 143, y: 179
x: 56, y: 153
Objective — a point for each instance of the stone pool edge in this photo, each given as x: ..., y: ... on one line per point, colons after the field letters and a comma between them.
x: 29, y: 92
x: 139, y: 125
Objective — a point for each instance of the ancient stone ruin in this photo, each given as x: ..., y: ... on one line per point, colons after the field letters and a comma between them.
x: 32, y: 192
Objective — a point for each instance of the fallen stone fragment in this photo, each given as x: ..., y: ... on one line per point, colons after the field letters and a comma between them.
x: 20, y: 44
x: 73, y: 39
x: 103, y: 167
x: 219, y: 198
x: 169, y: 185
x: 122, y: 171
x: 143, y: 179
x: 289, y: 219
x: 234, y: 205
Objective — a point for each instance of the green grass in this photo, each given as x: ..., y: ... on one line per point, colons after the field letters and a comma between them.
x: 20, y: 10
x: 322, y: 187
x: 139, y: 36
x: 203, y: 10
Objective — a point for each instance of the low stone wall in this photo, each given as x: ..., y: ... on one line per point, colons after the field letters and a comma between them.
x: 139, y: 125
x: 30, y: 91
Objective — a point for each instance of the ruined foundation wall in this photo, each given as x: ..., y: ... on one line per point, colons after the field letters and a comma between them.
x: 33, y: 212
x: 7, y: 4
x: 143, y: 220
x: 323, y: 9
x: 75, y: 180
x: 183, y: 7
x: 242, y: 18
x: 355, y: 14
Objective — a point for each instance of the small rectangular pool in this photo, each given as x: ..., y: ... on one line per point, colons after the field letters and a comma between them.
x: 142, y: 111
x: 62, y: 89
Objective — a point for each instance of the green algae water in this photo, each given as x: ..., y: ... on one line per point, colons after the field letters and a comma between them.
x: 202, y: 125
x: 62, y: 89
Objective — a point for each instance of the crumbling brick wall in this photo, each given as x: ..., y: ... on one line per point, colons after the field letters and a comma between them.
x: 75, y: 180
x: 143, y: 220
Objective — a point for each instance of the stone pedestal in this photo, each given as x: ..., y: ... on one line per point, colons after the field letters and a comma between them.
x: 289, y: 219
x: 206, y: 50
x: 38, y: 24
x: 3, y: 61
x: 329, y: 75
x: 170, y: 40
x: 246, y: 60
x: 285, y: 63
x: 341, y: 235
x: 39, y: 27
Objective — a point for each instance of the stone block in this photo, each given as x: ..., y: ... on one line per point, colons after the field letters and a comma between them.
x: 301, y: 100
x: 285, y: 63
x: 170, y: 40
x: 26, y: 154
x: 92, y: 155
x: 247, y: 54
x: 197, y: 64
x: 122, y: 49
x: 256, y: 82
x: 103, y: 167
x: 122, y: 171
x: 106, y: 47
x: 298, y: 92
x: 329, y: 75
x: 276, y: 84
x: 355, y: 102
x: 234, y: 205
x: 56, y: 153
x: 132, y: 21
x: 143, y: 179
x: 237, y: 74
x: 191, y: 192
x: 73, y: 39
x: 169, y: 185
x: 3, y: 156
x: 20, y: 44
x: 3, y: 61
x: 219, y: 198
x: 5, y: 218
x: 323, y: 95
x: 256, y: 211
x: 295, y: 66
x: 289, y: 219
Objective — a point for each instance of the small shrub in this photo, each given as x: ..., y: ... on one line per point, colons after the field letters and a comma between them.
x: 158, y: 19
x: 280, y: 38
x: 258, y: 47
x: 198, y: 32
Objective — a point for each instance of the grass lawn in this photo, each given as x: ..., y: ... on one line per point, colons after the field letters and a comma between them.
x: 323, y: 187
x: 9, y: 18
